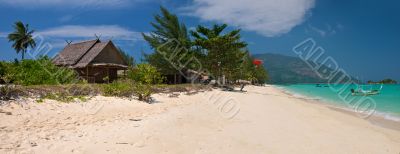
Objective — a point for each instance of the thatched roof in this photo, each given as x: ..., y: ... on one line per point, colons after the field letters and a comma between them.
x: 80, y: 55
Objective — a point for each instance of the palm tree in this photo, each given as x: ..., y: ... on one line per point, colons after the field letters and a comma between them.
x: 169, y: 34
x: 22, y: 38
x: 167, y: 27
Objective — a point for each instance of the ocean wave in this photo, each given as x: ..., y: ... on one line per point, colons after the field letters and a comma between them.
x: 300, y: 96
x: 388, y: 116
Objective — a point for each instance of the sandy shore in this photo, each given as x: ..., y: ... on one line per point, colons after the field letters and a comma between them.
x: 262, y: 120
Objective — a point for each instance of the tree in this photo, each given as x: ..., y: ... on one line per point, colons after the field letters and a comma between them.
x: 251, y: 72
x: 223, y: 52
x: 22, y: 38
x: 261, y: 75
x: 384, y: 81
x: 170, y: 41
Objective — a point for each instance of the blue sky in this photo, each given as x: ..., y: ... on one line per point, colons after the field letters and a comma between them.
x: 361, y: 35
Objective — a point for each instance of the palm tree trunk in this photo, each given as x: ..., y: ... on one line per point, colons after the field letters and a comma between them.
x: 23, y: 54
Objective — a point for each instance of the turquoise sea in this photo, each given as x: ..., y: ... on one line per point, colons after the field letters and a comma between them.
x: 385, y: 104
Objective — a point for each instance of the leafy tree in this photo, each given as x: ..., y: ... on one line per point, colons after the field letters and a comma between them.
x: 223, y: 52
x: 251, y: 72
x: 22, y: 38
x: 261, y: 75
x: 170, y: 41
x: 247, y: 68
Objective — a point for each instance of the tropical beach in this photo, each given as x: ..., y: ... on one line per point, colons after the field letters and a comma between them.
x: 269, y: 121
x: 199, y: 76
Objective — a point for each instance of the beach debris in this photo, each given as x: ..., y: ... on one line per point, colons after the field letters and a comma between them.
x: 191, y: 92
x: 5, y: 112
x: 121, y: 143
x: 135, y: 119
x: 33, y: 144
x: 174, y: 95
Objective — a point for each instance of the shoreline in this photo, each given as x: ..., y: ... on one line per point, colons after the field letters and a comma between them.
x: 377, y: 118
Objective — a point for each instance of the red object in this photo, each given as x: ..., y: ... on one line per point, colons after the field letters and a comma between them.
x: 257, y: 62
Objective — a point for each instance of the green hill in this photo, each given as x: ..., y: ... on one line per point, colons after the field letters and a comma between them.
x: 286, y: 69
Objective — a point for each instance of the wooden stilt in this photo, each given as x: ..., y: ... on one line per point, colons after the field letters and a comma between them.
x: 87, y: 74
x: 108, y: 75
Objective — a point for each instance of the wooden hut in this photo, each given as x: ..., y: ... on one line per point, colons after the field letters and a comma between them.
x: 94, y: 60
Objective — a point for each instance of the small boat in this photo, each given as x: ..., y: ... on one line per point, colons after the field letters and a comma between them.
x: 361, y: 90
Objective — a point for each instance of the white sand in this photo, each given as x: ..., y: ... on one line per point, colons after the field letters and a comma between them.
x: 268, y: 121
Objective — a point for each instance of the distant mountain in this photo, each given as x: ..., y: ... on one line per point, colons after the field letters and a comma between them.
x: 286, y: 69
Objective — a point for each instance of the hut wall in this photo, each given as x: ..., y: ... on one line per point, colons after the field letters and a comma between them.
x: 97, y: 74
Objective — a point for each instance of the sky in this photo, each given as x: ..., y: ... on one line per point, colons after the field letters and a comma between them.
x: 362, y: 36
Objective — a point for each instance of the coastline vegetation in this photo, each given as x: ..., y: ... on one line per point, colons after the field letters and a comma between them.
x: 384, y: 81
x: 221, y: 52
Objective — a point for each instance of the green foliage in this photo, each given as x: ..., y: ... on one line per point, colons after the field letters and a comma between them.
x: 62, y: 97
x: 261, y: 75
x: 224, y: 52
x: 37, y: 72
x: 143, y: 91
x: 128, y: 88
x: 21, y: 38
x: 171, y: 43
x: 145, y: 74
x: 250, y: 72
x: 384, y: 81
x: 119, y: 88
x: 62, y: 93
x: 4, y: 70
x: 8, y: 91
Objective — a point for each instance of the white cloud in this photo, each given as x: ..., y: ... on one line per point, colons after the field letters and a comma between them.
x: 267, y: 17
x: 68, y: 3
x: 78, y: 31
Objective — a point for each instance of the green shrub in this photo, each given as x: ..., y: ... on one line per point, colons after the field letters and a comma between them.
x: 145, y: 74
x: 143, y: 91
x: 63, y: 93
x: 62, y: 97
x: 8, y: 91
x: 5, y: 68
x: 118, y: 88
x: 38, y: 72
